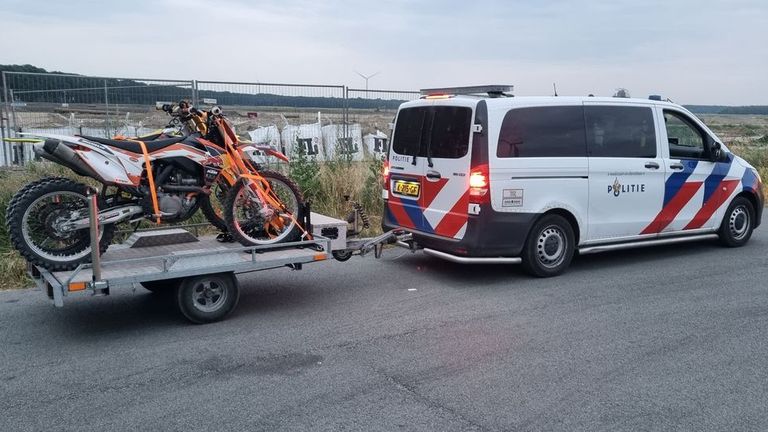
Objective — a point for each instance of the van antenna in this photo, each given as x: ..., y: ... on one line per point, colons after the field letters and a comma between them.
x: 554, y: 87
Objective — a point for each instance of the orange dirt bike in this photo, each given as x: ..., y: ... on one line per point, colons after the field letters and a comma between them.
x: 164, y: 180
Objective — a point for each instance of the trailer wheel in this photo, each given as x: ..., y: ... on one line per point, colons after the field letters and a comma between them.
x: 342, y: 255
x: 207, y: 298
x: 161, y: 286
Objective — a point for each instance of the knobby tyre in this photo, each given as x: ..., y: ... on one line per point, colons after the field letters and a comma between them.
x: 251, y: 222
x: 34, y: 219
x: 212, y: 205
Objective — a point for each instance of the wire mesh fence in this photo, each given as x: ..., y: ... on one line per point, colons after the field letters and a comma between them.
x: 321, y: 121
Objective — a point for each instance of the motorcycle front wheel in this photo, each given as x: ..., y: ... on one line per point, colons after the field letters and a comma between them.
x: 252, y: 220
x: 34, y: 219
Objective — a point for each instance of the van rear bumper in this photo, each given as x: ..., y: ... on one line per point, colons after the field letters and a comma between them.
x: 489, y: 234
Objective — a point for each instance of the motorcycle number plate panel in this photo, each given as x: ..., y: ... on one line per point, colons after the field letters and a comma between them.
x: 407, y: 188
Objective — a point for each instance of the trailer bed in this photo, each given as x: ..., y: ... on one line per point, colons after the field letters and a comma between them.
x: 126, y: 265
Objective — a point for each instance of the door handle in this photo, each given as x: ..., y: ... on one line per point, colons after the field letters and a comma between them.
x: 433, y: 175
x: 676, y: 166
x: 652, y: 165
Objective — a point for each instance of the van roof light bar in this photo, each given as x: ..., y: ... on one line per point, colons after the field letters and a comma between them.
x: 493, y: 91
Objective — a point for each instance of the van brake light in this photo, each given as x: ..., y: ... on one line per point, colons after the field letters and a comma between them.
x: 385, y: 174
x: 478, y: 185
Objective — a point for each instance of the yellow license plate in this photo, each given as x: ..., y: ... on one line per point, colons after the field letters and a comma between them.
x: 408, y: 188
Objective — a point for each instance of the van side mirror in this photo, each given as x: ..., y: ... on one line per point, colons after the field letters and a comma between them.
x: 715, y: 150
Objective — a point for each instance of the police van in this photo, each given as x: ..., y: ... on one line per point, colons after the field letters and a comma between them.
x: 479, y: 176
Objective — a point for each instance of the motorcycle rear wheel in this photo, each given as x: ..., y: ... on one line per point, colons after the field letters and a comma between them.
x: 33, y: 217
x: 212, y: 205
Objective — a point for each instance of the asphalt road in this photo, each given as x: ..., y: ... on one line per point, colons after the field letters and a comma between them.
x: 668, y: 338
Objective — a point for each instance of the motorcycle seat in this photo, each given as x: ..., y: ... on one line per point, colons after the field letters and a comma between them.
x: 134, y: 147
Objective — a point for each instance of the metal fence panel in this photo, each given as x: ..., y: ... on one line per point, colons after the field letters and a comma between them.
x: 74, y: 104
x: 324, y: 121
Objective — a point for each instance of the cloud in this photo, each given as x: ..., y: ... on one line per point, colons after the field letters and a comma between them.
x: 691, y: 51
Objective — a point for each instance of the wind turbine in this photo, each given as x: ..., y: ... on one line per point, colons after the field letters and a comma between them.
x: 366, y: 78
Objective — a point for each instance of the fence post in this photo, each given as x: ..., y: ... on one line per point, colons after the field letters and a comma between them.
x: 106, y: 108
x: 4, y: 120
x: 194, y: 93
x: 345, y: 111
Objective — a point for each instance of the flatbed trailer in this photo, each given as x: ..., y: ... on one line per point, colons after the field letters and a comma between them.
x: 199, y: 272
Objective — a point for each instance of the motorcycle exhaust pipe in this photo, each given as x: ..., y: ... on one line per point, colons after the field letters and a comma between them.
x: 106, y: 217
x: 173, y: 188
x: 56, y: 151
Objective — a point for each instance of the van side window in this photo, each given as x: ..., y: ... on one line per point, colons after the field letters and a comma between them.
x: 686, y: 141
x: 441, y: 131
x: 620, y: 131
x: 552, y: 131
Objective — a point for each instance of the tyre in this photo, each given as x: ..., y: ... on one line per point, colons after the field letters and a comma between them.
x: 738, y: 223
x: 212, y: 205
x: 252, y: 221
x: 207, y: 298
x: 35, y: 217
x: 549, y: 248
x: 161, y: 286
x: 342, y: 255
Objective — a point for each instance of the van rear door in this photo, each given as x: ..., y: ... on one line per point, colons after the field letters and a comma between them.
x: 429, y: 167
x: 446, y: 177
x: 406, y: 168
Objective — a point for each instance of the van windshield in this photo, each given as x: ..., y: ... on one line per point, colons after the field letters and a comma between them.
x: 435, y: 131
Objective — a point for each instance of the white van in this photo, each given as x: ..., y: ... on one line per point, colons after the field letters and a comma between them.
x: 492, y: 178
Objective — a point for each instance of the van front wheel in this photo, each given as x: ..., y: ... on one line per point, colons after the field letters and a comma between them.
x: 737, y: 226
x: 549, y: 247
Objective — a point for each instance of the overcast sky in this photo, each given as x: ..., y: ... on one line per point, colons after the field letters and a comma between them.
x: 692, y: 51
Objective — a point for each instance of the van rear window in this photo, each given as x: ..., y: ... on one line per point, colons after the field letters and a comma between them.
x: 436, y: 131
x: 551, y: 131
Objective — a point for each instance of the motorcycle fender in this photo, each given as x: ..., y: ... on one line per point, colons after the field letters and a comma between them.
x: 109, y: 168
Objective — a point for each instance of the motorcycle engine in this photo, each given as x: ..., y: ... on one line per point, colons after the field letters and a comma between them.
x: 170, y: 204
x: 174, y: 206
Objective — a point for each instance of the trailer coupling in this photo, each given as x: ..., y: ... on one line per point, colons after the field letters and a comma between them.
x: 364, y: 246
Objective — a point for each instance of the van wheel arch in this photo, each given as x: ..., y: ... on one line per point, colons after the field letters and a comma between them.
x: 569, y: 217
x: 752, y: 199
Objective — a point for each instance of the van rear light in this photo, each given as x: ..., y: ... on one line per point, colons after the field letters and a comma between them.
x: 385, y: 174
x: 479, y: 185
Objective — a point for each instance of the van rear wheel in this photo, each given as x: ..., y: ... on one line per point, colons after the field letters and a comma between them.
x: 549, y: 247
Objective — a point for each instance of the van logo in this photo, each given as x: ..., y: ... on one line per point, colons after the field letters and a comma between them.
x: 618, y: 188
x: 399, y: 158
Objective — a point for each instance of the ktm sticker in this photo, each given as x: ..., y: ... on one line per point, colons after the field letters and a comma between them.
x: 512, y: 198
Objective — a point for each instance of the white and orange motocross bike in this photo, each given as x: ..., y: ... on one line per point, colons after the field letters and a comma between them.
x: 164, y: 180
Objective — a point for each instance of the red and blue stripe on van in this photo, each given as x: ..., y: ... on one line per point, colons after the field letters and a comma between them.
x: 409, y: 213
x: 678, y: 192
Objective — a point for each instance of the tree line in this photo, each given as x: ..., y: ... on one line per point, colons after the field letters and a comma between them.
x: 58, y: 87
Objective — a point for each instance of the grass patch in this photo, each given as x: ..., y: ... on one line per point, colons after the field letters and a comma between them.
x: 13, y: 267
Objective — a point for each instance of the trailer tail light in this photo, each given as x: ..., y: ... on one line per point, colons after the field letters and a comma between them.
x: 479, y: 185
x: 76, y: 286
x: 385, y: 174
